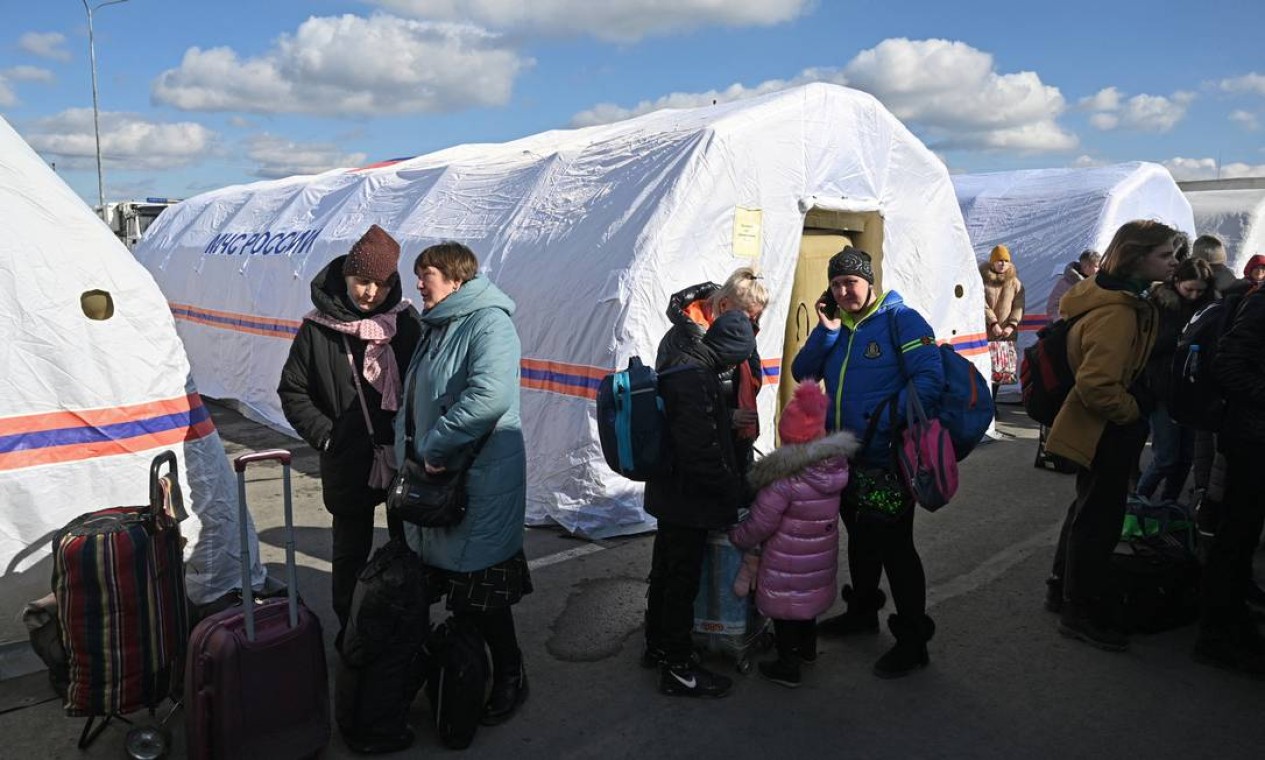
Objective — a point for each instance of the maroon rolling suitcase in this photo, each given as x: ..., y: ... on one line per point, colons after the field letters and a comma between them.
x: 256, y: 684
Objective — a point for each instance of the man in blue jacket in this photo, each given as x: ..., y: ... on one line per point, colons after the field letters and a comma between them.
x: 867, y: 347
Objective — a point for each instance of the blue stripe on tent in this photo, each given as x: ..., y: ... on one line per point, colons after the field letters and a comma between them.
x: 576, y: 381
x: 96, y: 434
x: 970, y: 344
x: 235, y: 321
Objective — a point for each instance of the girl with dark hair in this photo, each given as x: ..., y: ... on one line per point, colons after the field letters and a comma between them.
x: 1172, y: 446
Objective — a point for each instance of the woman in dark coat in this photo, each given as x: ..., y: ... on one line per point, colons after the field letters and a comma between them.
x: 1172, y: 446
x: 358, y: 309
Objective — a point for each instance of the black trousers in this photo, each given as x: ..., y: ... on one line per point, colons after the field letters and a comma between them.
x: 675, y: 570
x: 796, y: 637
x: 497, y: 628
x: 878, y: 544
x: 352, y: 542
x: 1091, y: 529
x: 1242, y: 515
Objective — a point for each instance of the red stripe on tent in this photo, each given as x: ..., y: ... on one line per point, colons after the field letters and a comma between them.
x: 584, y: 370
x: 31, y: 423
x: 74, y: 453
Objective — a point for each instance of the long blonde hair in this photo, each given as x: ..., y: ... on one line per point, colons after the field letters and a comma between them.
x: 744, y: 290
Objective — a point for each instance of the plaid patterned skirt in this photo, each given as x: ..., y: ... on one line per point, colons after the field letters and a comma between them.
x: 501, y: 585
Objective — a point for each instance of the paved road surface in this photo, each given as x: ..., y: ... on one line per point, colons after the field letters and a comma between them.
x: 1003, y: 683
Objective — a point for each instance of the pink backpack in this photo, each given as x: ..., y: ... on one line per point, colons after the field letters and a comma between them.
x: 925, y: 456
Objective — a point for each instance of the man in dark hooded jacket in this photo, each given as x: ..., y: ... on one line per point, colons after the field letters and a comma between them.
x: 1228, y: 637
x: 701, y: 491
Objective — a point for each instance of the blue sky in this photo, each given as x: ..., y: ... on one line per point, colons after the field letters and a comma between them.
x: 198, y: 95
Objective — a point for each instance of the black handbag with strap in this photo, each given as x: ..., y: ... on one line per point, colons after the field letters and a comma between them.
x: 431, y: 500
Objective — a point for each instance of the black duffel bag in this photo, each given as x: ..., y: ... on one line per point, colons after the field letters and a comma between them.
x: 383, y: 660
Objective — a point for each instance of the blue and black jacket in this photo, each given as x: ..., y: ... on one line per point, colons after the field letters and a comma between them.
x: 860, y: 367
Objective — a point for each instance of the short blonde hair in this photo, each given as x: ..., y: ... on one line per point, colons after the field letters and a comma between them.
x: 744, y: 289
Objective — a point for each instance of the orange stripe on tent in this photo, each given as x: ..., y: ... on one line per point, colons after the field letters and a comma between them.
x: 98, y: 417
x: 64, y: 454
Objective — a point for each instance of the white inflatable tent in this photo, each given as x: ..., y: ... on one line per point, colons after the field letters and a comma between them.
x: 590, y: 231
x: 1237, y: 216
x: 1048, y: 216
x: 87, y: 402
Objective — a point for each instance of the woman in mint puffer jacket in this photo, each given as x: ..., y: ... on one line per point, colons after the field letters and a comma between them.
x: 462, y: 388
x: 795, y: 517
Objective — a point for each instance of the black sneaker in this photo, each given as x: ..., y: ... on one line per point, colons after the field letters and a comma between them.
x: 1084, y: 628
x: 1240, y: 650
x: 692, y: 680
x: 782, y: 671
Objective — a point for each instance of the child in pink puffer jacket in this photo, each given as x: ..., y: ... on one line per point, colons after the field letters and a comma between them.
x: 796, y: 517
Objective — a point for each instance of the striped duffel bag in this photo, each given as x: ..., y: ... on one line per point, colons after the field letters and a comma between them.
x: 118, y: 575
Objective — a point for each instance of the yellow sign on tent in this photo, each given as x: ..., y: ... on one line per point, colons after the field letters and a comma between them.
x: 747, y: 232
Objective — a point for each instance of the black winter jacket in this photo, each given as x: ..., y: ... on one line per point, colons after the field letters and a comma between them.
x: 1174, y: 312
x: 1240, y: 371
x: 318, y: 392
x: 706, y: 480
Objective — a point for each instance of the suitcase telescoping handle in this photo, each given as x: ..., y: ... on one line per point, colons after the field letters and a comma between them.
x: 155, y: 488
x: 248, y: 596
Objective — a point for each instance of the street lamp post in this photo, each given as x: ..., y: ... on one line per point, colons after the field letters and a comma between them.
x: 96, y: 119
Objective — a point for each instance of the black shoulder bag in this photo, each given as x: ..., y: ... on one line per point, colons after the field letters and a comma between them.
x: 418, y: 497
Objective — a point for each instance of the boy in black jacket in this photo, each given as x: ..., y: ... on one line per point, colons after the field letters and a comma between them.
x: 701, y: 491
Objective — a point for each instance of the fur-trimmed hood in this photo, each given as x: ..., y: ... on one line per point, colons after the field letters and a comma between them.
x: 1165, y: 297
x: 992, y: 278
x: 793, y: 459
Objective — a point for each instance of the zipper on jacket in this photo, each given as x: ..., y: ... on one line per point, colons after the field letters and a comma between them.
x: 847, y: 357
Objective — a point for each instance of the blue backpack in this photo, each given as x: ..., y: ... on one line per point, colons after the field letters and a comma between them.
x: 630, y: 422
x: 966, y: 401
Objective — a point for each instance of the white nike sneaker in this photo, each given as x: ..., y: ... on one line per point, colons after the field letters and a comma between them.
x: 692, y: 680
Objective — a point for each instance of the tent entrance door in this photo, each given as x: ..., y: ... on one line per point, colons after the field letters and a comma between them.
x: 825, y: 234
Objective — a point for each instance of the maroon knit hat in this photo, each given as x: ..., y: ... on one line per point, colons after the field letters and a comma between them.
x: 375, y: 256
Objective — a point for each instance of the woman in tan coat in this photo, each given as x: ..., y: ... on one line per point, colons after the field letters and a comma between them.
x: 1102, y: 425
x: 1003, y: 313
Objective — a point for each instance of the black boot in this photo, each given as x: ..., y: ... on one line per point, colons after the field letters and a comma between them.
x: 507, y: 696
x: 862, y: 614
x: 783, y: 671
x: 1088, y: 622
x: 910, y: 652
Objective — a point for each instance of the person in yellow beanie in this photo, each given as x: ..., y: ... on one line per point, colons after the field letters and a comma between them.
x: 1003, y: 312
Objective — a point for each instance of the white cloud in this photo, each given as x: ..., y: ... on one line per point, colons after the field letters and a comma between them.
x: 1141, y: 113
x: 45, y: 45
x: 1245, y: 119
x: 128, y: 141
x: 1250, y: 83
x: 948, y: 91
x: 7, y: 96
x: 350, y: 66
x: 1106, y: 99
x: 1104, y: 121
x: 27, y: 74
x: 240, y: 122
x: 279, y: 157
x: 615, y: 20
x: 1184, y: 169
x: 1086, y: 161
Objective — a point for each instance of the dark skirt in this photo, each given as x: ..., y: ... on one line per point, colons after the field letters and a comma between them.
x: 492, y: 588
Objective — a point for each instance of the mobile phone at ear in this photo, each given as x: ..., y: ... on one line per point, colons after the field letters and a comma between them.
x: 832, y: 306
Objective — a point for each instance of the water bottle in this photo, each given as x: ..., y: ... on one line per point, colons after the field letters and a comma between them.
x: 1193, y: 363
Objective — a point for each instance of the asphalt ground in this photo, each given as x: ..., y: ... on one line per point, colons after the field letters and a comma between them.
x: 1002, y: 682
